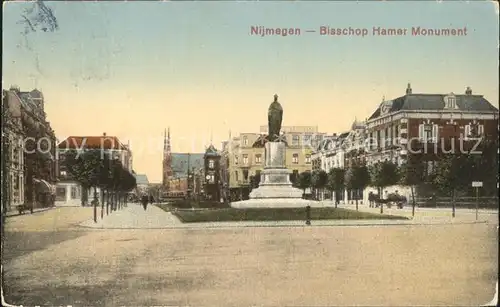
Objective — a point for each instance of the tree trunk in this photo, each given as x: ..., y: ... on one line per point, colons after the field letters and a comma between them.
x: 453, y: 203
x: 357, y: 202
x: 102, y: 208
x: 107, y: 202
x: 95, y: 204
x: 381, y: 198
x: 413, y: 201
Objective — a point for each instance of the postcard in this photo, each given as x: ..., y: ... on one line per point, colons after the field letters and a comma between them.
x: 250, y: 153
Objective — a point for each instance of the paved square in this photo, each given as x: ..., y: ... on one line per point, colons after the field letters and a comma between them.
x: 404, y: 265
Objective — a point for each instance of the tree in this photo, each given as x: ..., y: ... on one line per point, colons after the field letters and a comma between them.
x: 411, y: 174
x: 335, y: 182
x: 319, y: 180
x: 84, y: 167
x: 304, y: 181
x: 357, y: 178
x: 383, y: 174
x: 454, y: 173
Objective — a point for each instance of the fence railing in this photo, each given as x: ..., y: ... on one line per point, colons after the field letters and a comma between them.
x: 486, y: 202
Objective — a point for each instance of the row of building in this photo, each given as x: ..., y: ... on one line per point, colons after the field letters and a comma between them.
x: 416, y: 126
x: 33, y: 169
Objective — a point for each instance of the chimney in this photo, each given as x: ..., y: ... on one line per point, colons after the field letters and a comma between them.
x: 408, y: 89
x: 104, y: 134
x: 468, y: 91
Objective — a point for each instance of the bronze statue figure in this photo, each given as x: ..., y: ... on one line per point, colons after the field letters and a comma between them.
x: 274, y: 119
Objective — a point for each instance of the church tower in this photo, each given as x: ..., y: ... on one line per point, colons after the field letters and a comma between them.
x: 167, y: 159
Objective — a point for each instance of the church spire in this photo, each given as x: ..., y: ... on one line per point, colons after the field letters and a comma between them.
x: 167, y: 158
x: 166, y: 141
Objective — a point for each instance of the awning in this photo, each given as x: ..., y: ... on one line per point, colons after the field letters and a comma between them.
x: 44, y: 187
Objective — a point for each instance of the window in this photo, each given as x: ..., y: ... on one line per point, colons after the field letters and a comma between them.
x: 236, y: 175
x: 306, y: 139
x: 258, y: 158
x: 211, y: 164
x: 308, y: 159
x: 16, y: 182
x: 451, y: 102
x: 295, y: 158
x: 245, y: 174
x: 295, y: 140
x: 236, y: 160
x: 245, y: 141
x: 73, y: 192
x: 245, y: 159
x: 473, y: 131
x: 211, y: 179
x: 387, y: 137
x: 428, y: 132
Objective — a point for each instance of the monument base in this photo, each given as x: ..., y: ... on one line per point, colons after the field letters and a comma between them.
x: 278, y: 203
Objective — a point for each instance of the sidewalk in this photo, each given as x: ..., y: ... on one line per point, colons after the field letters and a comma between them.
x: 134, y: 217
x: 13, y: 213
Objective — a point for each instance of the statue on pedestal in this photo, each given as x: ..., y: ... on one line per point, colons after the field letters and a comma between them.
x: 274, y: 119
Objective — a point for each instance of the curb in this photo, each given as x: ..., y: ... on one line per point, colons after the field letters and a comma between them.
x: 34, y: 212
x: 193, y: 227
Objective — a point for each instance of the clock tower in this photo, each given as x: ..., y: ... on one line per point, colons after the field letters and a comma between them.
x: 212, y: 178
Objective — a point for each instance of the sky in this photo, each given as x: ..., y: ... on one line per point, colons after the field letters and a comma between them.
x: 132, y: 69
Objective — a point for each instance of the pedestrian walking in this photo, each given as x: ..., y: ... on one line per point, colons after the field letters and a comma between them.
x: 145, y: 200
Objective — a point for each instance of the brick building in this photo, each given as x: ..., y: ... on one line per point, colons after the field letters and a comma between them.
x: 422, y: 127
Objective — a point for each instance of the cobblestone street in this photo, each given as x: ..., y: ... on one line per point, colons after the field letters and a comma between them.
x: 63, y: 264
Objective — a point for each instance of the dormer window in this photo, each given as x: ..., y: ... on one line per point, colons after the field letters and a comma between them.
x: 450, y: 102
x: 245, y: 141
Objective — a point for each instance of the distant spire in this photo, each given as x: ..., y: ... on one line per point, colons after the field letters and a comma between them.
x: 166, y: 141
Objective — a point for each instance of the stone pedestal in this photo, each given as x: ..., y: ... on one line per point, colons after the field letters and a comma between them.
x: 275, y: 188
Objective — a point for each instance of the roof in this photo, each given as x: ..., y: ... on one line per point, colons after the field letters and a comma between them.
x: 141, y: 179
x: 91, y: 142
x: 329, y: 142
x: 13, y: 103
x: 180, y: 162
x: 435, y: 102
x: 211, y: 151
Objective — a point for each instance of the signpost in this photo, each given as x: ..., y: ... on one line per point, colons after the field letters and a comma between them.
x: 477, y: 185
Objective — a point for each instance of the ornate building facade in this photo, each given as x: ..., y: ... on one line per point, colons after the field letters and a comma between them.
x: 12, y: 152
x: 32, y: 149
x: 422, y: 127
